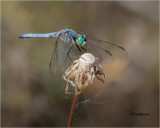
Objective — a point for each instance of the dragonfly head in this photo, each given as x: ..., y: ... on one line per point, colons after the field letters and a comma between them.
x: 81, y: 40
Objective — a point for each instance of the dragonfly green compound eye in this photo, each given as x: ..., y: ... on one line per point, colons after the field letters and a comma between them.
x: 80, y: 40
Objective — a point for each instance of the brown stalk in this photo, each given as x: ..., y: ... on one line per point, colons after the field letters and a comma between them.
x: 72, y: 109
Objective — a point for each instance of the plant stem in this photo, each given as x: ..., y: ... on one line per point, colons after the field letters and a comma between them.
x: 72, y: 109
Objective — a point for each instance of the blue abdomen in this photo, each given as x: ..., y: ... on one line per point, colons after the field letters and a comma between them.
x: 46, y: 35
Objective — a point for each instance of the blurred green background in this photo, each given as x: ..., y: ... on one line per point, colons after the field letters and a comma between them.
x: 32, y: 97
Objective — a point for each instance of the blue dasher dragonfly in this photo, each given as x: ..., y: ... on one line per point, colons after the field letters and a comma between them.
x: 71, y: 45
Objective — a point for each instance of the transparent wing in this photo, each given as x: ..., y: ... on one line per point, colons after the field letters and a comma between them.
x: 54, y: 60
x: 116, y: 50
x: 64, y: 53
x: 104, y: 50
x: 99, y: 52
x: 59, y: 56
x: 67, y: 53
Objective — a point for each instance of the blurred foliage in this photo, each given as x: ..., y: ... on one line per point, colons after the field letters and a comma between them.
x: 31, y: 96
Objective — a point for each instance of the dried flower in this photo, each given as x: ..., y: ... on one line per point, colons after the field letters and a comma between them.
x: 82, y: 72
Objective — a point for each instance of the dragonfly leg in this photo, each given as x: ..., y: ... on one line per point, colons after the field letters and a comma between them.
x: 83, y: 48
x: 78, y: 47
x: 100, y: 79
x: 70, y: 59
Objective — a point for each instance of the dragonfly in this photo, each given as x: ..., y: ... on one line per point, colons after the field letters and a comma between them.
x: 70, y: 45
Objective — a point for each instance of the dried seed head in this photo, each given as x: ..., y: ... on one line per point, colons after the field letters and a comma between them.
x: 82, y: 72
x: 87, y: 58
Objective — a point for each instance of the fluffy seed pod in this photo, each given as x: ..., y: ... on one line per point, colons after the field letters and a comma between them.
x: 82, y: 72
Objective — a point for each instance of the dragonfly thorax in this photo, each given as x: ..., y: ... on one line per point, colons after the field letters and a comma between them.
x: 81, y: 39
